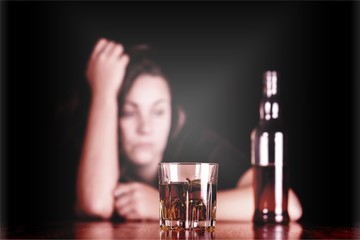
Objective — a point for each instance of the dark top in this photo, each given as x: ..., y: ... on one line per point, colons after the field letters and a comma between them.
x: 197, y: 143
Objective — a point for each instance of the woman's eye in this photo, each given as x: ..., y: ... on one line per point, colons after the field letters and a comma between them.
x: 158, y: 112
x: 128, y: 114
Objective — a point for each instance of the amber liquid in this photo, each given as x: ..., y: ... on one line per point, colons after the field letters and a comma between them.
x: 185, y: 205
x: 271, y: 194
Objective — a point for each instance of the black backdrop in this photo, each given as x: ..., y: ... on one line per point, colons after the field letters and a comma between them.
x: 217, y: 53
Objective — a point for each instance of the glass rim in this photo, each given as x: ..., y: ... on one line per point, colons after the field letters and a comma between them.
x: 188, y: 163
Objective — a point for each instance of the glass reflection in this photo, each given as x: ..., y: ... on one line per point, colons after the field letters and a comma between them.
x: 186, y: 234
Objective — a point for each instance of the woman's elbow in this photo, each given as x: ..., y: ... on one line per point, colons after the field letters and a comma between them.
x: 97, y: 210
x: 295, y: 208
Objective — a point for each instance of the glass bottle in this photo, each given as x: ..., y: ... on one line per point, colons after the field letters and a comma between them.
x: 271, y: 177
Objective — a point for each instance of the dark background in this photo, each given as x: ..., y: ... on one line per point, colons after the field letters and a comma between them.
x: 217, y: 53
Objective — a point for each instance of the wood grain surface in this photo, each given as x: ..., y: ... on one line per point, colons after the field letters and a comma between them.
x: 151, y: 230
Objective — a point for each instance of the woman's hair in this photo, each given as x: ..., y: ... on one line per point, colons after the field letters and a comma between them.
x: 144, y: 60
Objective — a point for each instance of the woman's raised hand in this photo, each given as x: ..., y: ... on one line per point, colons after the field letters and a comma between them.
x: 106, y: 68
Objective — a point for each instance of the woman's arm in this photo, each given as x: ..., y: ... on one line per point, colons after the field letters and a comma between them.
x: 98, y: 170
x: 238, y: 204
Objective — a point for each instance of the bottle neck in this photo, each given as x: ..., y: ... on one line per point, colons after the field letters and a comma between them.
x: 269, y: 109
x: 270, y: 104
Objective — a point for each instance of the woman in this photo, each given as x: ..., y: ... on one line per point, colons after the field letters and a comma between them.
x: 136, y: 98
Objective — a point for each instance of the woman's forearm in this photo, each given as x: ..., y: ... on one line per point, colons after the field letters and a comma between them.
x: 235, y: 204
x: 98, y: 171
x: 238, y: 204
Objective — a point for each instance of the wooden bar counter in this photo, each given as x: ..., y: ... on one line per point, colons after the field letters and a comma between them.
x: 151, y: 230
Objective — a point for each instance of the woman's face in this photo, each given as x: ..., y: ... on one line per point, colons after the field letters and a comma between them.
x: 146, y: 120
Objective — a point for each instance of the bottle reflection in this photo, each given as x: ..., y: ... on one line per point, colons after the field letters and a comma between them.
x: 186, y: 234
x: 292, y: 230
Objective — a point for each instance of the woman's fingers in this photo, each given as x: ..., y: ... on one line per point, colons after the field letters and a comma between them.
x: 124, y: 205
x: 117, y: 51
x: 107, y: 49
x: 110, y: 50
x: 136, y: 201
x: 124, y: 199
x: 124, y: 60
x: 122, y: 189
x: 99, y: 47
x: 106, y: 68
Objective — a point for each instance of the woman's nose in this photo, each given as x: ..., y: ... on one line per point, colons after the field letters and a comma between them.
x: 144, y: 126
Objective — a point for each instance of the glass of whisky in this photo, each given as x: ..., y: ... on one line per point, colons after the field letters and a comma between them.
x: 188, y: 195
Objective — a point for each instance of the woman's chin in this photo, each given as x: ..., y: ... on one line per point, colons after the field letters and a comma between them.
x: 143, y: 157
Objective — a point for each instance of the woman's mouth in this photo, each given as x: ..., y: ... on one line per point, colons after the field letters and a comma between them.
x: 143, y: 145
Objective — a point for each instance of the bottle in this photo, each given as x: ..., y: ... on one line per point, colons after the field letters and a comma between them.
x: 271, y: 176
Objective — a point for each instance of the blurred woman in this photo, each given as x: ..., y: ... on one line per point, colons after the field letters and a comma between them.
x: 135, y: 123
